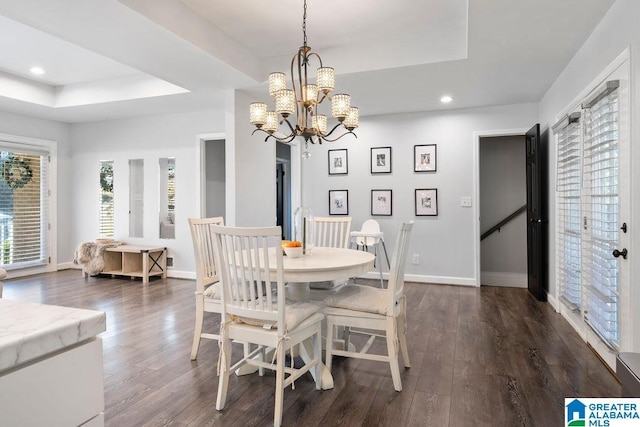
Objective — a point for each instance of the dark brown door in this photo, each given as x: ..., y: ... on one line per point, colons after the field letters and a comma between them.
x: 280, y: 196
x: 537, y: 221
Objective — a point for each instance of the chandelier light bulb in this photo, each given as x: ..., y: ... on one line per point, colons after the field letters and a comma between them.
x: 353, y: 118
x: 285, y: 102
x: 340, y: 104
x: 258, y: 113
x: 277, y: 81
x: 326, y: 79
x: 319, y: 123
x: 271, y: 124
x: 310, y: 94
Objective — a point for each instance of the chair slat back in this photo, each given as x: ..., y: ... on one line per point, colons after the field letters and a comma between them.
x: 331, y: 232
x: 398, y: 264
x: 203, y: 249
x: 243, y: 260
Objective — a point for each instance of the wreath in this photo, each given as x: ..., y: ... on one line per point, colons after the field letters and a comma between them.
x: 16, y: 172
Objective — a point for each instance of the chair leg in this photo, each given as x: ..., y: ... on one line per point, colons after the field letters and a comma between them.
x: 392, y: 350
x: 347, y: 337
x: 402, y: 338
x: 225, y: 366
x: 198, y: 327
x: 280, y: 355
x: 317, y: 356
x: 329, y: 345
x: 260, y: 368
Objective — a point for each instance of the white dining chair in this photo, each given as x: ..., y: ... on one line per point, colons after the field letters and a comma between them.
x: 331, y: 232
x: 208, y: 288
x: 366, y: 307
x: 370, y: 236
x: 254, y: 310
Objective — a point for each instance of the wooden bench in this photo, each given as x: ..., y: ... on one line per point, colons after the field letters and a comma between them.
x: 135, y: 261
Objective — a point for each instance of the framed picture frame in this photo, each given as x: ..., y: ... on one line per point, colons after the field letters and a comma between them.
x: 380, y: 160
x: 338, y: 202
x: 338, y: 162
x: 425, y: 158
x: 381, y: 202
x: 426, y: 201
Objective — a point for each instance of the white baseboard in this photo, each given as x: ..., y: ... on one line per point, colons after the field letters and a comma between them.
x: 175, y: 274
x: 418, y: 278
x: 512, y: 280
x: 554, y: 302
x: 68, y: 266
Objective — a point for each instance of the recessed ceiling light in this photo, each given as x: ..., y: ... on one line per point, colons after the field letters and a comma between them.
x: 37, y: 71
x: 446, y: 99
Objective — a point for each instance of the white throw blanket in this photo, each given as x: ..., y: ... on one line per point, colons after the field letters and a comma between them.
x: 90, y: 256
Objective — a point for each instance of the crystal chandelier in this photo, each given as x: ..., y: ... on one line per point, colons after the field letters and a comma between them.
x: 303, y: 100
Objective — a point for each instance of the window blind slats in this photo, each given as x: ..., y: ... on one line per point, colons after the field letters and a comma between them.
x: 106, y: 213
x: 24, y: 215
x: 568, y: 210
x: 601, y: 208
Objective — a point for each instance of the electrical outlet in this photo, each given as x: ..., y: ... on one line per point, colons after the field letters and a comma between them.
x: 465, y: 202
x: 416, y: 259
x: 169, y: 262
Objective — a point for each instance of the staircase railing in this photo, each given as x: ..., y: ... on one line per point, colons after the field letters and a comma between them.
x: 499, y: 225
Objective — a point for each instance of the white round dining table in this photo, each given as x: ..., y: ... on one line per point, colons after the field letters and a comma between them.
x: 319, y: 265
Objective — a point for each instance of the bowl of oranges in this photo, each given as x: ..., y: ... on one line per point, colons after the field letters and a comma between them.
x: 292, y: 249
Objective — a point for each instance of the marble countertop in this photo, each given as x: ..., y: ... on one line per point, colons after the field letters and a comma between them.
x: 30, y: 330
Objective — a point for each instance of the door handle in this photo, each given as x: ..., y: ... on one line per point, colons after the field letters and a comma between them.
x: 617, y: 253
x: 535, y: 221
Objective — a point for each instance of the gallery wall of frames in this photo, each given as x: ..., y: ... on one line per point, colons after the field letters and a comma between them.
x: 425, y: 160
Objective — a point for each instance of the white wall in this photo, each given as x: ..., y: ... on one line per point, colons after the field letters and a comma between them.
x: 255, y: 161
x: 19, y: 125
x: 445, y: 243
x: 147, y: 138
x: 503, y: 189
x: 617, y: 31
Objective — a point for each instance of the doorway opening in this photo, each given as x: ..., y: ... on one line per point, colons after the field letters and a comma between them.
x: 283, y: 189
x: 214, y: 190
x: 502, y: 203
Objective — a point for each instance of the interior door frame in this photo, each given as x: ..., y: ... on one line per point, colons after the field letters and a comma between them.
x: 477, y: 135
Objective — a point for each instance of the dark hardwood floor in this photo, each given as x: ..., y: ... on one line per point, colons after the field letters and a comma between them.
x: 481, y: 357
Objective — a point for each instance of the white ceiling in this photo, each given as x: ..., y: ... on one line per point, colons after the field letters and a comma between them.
x: 110, y: 59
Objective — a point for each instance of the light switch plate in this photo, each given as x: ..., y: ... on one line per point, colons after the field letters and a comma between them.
x: 465, y: 202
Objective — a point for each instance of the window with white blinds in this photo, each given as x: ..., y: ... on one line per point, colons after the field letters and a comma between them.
x: 24, y: 201
x: 600, y: 205
x: 106, y: 216
x: 568, y: 182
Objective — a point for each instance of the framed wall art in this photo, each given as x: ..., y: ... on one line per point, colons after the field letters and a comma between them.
x: 380, y: 160
x: 381, y: 202
x: 426, y: 202
x: 338, y: 162
x: 339, y: 202
x: 425, y: 158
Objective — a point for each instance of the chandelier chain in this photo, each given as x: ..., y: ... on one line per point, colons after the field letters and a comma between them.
x: 304, y: 23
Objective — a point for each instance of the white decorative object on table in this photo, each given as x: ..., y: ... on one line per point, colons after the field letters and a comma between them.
x: 293, y: 252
